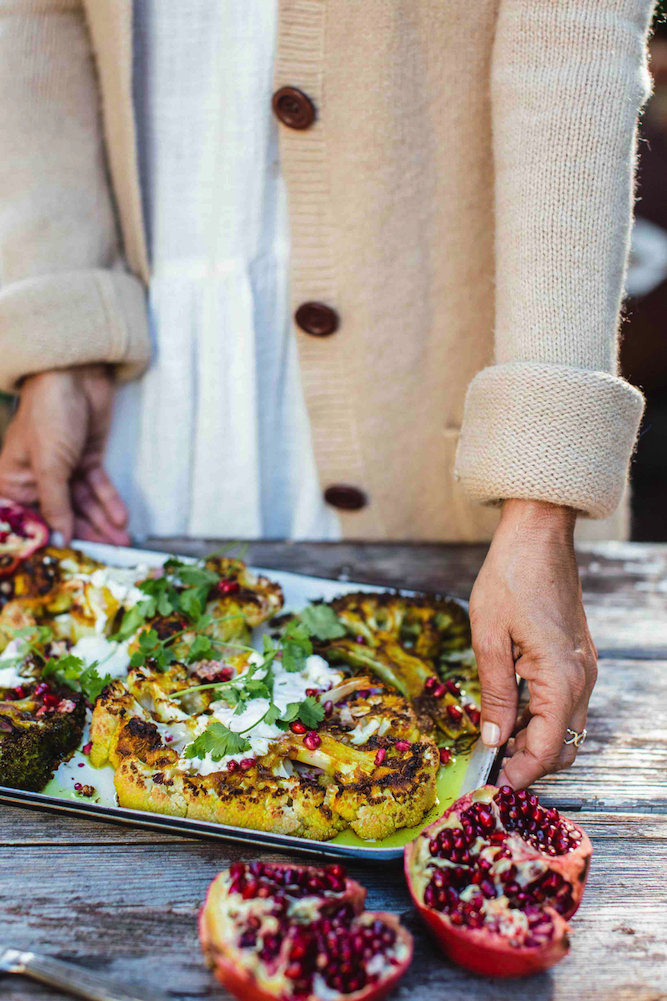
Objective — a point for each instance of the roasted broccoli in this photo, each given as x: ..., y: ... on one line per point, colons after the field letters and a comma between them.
x: 39, y: 727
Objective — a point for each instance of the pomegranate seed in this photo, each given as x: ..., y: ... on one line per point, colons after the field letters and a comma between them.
x: 228, y: 586
x: 312, y: 691
x: 232, y: 766
x: 312, y: 740
x: 445, y: 755
x: 249, y: 891
x: 439, y: 691
x: 454, y: 713
x: 430, y: 684
x: 402, y: 745
x: 453, y: 688
x: 298, y: 727
x: 77, y: 786
x: 87, y: 747
x: 328, y: 708
x: 380, y: 756
x: 246, y: 763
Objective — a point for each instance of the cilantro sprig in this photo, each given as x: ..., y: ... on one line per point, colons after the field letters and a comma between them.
x: 67, y: 670
x: 218, y: 741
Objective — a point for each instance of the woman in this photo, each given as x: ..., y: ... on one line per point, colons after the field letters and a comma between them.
x: 451, y: 171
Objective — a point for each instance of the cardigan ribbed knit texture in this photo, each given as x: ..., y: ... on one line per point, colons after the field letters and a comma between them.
x: 463, y: 198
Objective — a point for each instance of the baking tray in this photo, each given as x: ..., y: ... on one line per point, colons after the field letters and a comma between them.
x: 480, y: 766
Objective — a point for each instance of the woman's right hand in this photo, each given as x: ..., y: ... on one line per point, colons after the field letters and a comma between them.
x: 52, y: 454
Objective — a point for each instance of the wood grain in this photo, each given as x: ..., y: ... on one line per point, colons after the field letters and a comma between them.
x: 130, y: 910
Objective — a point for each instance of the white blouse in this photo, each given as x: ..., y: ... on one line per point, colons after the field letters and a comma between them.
x: 214, y: 440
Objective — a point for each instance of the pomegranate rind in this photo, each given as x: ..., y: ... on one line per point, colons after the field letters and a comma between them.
x: 224, y: 958
x: 477, y: 950
x: 486, y: 952
x: 11, y: 556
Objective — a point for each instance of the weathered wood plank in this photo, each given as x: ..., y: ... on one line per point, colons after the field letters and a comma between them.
x: 130, y: 910
x: 623, y: 764
x: 30, y: 829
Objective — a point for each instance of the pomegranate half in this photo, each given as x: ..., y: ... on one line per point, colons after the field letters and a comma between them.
x: 496, y: 877
x: 22, y: 531
x: 299, y: 933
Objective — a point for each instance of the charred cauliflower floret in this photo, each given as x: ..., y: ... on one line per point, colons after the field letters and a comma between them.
x: 409, y: 643
x: 39, y: 580
x: 242, y: 600
x: 40, y: 726
x: 366, y: 767
x: 381, y: 770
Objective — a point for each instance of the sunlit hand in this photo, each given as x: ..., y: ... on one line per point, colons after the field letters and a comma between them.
x: 527, y: 617
x: 52, y: 454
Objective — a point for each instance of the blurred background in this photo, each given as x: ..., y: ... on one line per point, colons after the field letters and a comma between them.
x: 644, y: 326
x: 644, y: 330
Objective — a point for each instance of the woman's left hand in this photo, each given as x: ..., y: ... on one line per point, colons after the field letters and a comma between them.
x: 528, y: 618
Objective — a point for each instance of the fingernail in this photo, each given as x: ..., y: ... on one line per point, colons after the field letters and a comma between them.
x: 57, y: 539
x: 490, y: 734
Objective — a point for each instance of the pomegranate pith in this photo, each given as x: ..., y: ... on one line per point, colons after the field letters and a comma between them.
x: 22, y: 532
x: 298, y: 933
x: 496, y: 878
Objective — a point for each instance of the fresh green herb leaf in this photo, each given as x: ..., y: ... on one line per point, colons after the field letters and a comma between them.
x: 322, y: 622
x: 201, y: 649
x: 72, y: 672
x: 196, y: 576
x: 132, y: 621
x: 311, y: 712
x: 92, y: 683
x: 218, y: 741
x: 296, y: 646
x: 282, y: 720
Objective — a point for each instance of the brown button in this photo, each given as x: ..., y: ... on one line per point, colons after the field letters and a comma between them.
x: 344, y: 497
x: 293, y: 108
x: 317, y: 319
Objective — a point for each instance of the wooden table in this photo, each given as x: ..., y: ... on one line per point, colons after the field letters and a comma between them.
x: 124, y: 901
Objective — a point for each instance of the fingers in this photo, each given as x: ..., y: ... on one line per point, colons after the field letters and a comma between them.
x: 539, y: 748
x: 106, y: 493
x: 499, y: 689
x: 54, y: 497
x: 92, y: 516
x: 84, y: 530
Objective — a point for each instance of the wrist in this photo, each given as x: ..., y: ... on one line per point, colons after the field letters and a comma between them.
x: 539, y: 516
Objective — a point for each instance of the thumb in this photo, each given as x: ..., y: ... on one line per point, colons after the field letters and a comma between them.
x: 54, y: 497
x: 500, y: 696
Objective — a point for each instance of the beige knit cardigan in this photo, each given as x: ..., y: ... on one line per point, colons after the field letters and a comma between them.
x: 467, y: 183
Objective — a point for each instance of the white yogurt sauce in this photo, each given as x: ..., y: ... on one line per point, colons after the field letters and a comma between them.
x: 120, y: 581
x: 287, y: 687
x: 113, y: 658
x: 10, y: 678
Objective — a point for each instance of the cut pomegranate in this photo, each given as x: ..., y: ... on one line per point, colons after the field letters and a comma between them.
x: 22, y: 531
x: 299, y: 933
x: 496, y: 877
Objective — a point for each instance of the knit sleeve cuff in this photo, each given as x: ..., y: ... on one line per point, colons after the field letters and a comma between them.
x: 73, y: 318
x: 548, y: 432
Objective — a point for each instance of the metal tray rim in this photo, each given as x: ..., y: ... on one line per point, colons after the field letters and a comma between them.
x: 206, y: 829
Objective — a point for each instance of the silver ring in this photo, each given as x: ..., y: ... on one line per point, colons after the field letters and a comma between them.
x: 575, y: 738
